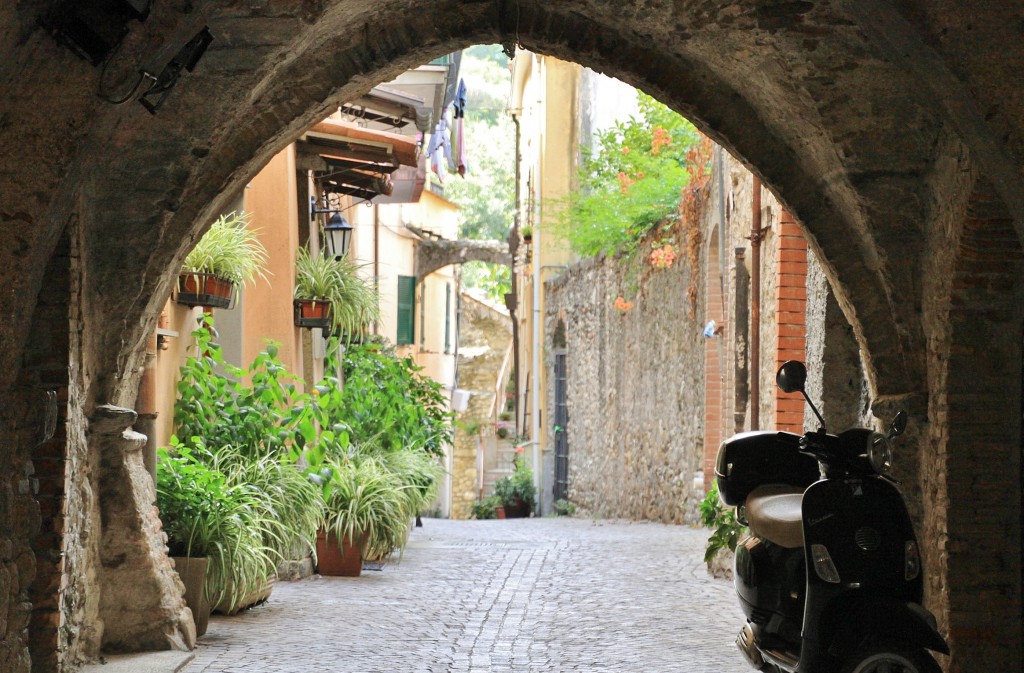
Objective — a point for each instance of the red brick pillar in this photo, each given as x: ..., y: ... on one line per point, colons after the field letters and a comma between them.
x: 791, y: 313
x: 715, y: 362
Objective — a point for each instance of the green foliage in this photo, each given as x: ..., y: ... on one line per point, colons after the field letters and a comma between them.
x: 630, y: 182
x: 367, y: 502
x: 386, y: 400
x: 564, y: 508
x: 494, y: 279
x: 216, y: 405
x: 485, y: 509
x: 229, y: 249
x: 728, y: 529
x: 517, y: 488
x: 231, y: 487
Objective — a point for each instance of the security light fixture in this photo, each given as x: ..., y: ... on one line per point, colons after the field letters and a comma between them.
x: 93, y: 28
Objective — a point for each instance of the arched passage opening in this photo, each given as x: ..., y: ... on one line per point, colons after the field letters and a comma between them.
x: 855, y: 123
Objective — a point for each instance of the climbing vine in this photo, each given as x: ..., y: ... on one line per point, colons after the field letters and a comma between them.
x: 642, y: 186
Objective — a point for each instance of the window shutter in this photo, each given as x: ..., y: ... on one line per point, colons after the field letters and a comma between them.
x: 406, y: 310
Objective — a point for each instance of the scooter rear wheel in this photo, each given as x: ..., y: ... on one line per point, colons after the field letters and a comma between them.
x: 888, y: 658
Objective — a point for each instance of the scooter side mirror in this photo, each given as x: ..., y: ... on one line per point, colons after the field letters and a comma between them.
x: 898, y: 425
x: 791, y: 377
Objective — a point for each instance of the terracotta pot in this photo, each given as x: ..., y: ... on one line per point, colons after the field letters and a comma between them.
x: 499, y: 512
x: 192, y: 572
x: 205, y: 289
x: 516, y: 510
x: 336, y: 559
x: 312, y: 313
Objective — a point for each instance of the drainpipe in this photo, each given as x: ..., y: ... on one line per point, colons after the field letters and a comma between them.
x: 376, y: 260
x: 512, y: 303
x: 535, y: 410
x: 755, y: 306
x: 145, y: 406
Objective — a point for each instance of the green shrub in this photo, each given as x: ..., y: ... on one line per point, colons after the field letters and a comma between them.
x: 728, y: 529
x: 630, y: 182
x: 517, y: 488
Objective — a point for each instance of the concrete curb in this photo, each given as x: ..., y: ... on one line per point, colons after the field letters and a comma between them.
x: 149, y: 662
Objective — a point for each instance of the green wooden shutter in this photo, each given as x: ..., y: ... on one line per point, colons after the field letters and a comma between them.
x: 406, y: 310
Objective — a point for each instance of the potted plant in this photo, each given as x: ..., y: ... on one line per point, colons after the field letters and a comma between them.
x: 366, y: 516
x: 227, y: 255
x: 354, y: 302
x: 516, y: 491
x: 527, y: 233
x: 316, y: 280
x: 208, y: 516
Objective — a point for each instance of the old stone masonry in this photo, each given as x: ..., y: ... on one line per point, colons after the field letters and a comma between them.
x: 552, y: 595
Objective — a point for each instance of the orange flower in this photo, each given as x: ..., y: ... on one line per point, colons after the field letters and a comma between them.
x: 625, y: 149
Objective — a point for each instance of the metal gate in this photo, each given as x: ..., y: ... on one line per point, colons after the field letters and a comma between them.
x: 561, y: 489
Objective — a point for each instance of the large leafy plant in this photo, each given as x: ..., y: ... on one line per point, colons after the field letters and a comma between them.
x: 386, y: 401
x: 216, y: 404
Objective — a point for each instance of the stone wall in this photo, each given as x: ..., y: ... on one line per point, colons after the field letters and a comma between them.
x: 636, y: 392
x: 485, y: 336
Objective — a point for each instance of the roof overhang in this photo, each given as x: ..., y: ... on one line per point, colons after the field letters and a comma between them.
x: 357, y: 161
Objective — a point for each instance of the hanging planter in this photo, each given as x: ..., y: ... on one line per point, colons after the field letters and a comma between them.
x: 312, y: 313
x: 205, y: 289
x: 228, y: 255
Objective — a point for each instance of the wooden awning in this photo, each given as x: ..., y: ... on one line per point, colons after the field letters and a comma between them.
x: 358, y: 161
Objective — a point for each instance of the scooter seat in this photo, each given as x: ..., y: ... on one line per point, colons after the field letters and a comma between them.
x: 773, y: 512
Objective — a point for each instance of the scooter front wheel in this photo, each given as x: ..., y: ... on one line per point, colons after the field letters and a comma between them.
x: 888, y: 658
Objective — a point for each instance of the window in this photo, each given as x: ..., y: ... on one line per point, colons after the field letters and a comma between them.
x: 406, y: 331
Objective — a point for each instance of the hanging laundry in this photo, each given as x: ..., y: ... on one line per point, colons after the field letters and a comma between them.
x: 461, y: 165
x: 439, y: 149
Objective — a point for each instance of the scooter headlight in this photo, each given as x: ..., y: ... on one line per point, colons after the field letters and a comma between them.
x: 880, y: 453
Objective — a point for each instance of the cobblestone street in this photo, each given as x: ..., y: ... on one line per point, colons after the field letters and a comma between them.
x: 499, y: 596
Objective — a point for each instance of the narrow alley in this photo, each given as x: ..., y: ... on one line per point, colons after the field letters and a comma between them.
x: 499, y: 596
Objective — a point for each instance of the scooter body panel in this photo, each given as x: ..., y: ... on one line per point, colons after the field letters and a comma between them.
x: 864, y: 526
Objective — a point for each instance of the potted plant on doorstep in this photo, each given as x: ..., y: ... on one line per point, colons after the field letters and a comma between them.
x: 227, y: 255
x: 516, y: 491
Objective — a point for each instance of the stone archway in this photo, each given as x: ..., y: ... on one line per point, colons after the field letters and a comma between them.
x: 862, y: 118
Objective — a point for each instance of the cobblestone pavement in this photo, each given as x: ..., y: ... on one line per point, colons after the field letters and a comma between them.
x: 527, y: 595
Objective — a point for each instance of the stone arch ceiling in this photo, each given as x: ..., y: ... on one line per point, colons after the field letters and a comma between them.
x: 844, y: 108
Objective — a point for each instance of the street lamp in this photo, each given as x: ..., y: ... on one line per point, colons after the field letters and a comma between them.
x: 337, y: 230
x: 338, y: 235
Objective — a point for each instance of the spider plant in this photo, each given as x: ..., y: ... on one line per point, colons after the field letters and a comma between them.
x: 230, y: 249
x: 355, y: 303
x: 208, y: 513
x: 365, y: 500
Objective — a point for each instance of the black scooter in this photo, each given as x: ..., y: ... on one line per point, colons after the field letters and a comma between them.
x: 830, y: 576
